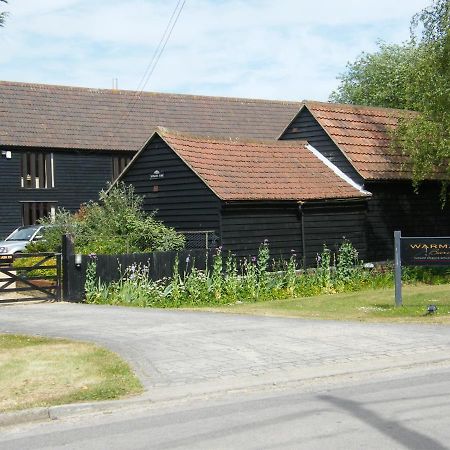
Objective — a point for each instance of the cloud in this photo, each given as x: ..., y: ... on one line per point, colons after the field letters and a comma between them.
x: 290, y: 49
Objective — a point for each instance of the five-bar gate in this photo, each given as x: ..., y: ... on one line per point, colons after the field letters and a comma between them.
x: 30, y: 276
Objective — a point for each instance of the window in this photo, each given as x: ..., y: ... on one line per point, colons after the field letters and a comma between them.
x: 37, y: 170
x: 118, y: 164
x: 33, y: 211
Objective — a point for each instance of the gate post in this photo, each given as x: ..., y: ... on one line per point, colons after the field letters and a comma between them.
x: 67, y: 250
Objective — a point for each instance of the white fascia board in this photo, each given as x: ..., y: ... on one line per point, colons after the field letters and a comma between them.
x: 336, y: 169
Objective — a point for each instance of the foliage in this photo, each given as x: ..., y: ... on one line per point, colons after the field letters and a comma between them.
x: 379, y: 79
x: 347, y: 262
x: 30, y: 262
x: 249, y: 281
x: 415, y: 76
x: 3, y: 14
x: 116, y: 224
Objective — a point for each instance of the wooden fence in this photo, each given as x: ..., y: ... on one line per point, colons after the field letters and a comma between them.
x: 111, y: 267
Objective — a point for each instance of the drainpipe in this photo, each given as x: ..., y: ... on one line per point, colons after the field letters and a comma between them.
x: 300, y: 209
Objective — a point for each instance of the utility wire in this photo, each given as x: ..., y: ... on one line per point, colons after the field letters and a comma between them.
x: 141, y: 85
x: 153, y: 62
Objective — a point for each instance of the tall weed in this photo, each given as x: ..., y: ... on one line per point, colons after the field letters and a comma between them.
x: 250, y: 280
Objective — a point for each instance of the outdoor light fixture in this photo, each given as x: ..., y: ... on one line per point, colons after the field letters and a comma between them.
x: 78, y: 260
x: 6, y: 154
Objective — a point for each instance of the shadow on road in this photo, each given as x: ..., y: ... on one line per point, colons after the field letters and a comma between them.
x: 409, y: 438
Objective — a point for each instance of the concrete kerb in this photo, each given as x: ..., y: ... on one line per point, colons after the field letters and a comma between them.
x: 304, y: 379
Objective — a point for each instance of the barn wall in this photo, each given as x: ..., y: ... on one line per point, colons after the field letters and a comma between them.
x: 305, y: 126
x: 180, y: 198
x: 330, y: 223
x: 246, y: 226
x: 79, y: 176
x: 395, y: 206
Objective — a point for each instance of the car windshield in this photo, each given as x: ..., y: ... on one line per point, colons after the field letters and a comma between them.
x: 22, y: 234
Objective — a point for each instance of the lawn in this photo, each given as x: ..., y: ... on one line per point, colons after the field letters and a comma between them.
x: 37, y: 371
x: 373, y: 305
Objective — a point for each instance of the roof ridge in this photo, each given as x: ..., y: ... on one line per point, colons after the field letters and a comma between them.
x: 163, y: 132
x: 353, y: 106
x: 150, y: 93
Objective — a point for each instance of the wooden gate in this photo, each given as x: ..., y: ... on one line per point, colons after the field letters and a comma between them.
x: 30, y: 276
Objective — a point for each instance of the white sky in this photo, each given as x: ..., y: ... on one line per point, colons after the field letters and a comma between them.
x: 285, y: 49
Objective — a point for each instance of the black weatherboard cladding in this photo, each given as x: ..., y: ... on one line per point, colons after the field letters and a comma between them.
x: 246, y: 226
x: 330, y: 223
x: 395, y: 206
x: 79, y: 176
x: 180, y: 197
x: 306, y: 127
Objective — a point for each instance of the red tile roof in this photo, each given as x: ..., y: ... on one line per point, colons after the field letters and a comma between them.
x: 363, y: 135
x: 101, y: 119
x: 257, y: 170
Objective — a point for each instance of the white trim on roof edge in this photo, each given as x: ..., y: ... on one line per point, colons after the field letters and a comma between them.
x: 336, y: 169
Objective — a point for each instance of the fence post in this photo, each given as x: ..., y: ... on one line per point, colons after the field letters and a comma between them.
x: 398, y: 269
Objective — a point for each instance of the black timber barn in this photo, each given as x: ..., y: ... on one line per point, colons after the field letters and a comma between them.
x: 61, y: 145
x: 247, y: 192
x: 357, y: 140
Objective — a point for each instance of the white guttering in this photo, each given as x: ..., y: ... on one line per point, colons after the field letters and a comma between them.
x: 336, y: 169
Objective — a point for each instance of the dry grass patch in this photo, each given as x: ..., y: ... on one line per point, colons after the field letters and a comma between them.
x: 37, y: 371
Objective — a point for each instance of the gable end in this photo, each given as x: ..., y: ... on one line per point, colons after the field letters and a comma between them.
x: 169, y: 186
x: 306, y: 127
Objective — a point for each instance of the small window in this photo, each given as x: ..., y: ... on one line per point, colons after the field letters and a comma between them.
x: 37, y: 170
x: 33, y: 211
x: 118, y: 164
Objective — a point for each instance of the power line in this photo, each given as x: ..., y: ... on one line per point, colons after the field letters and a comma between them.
x: 163, y: 37
x: 153, y: 62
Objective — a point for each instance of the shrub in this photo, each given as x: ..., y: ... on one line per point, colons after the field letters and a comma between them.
x: 30, y: 262
x: 116, y: 224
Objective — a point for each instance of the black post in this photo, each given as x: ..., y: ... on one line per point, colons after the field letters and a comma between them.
x: 67, y: 250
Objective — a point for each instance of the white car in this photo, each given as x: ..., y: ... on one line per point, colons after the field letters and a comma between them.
x: 20, y: 238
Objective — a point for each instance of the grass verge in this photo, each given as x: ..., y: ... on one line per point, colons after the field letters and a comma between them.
x: 37, y: 371
x: 376, y: 305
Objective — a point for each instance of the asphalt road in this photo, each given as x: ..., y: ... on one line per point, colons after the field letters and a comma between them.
x: 406, y: 411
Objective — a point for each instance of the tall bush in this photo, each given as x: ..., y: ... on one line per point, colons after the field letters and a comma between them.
x: 115, y: 224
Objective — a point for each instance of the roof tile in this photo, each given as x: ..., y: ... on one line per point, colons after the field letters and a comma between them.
x: 100, y: 119
x: 260, y: 170
x: 363, y: 134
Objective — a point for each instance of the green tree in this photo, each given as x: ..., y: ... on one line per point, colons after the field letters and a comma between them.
x: 380, y: 78
x: 415, y: 76
x: 3, y: 14
x: 116, y: 224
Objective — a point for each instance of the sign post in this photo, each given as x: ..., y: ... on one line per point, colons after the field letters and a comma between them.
x: 418, y: 251
x: 398, y: 269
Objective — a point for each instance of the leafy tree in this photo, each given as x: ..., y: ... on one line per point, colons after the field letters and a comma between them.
x: 379, y: 79
x: 415, y: 76
x: 116, y: 224
x: 3, y: 14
